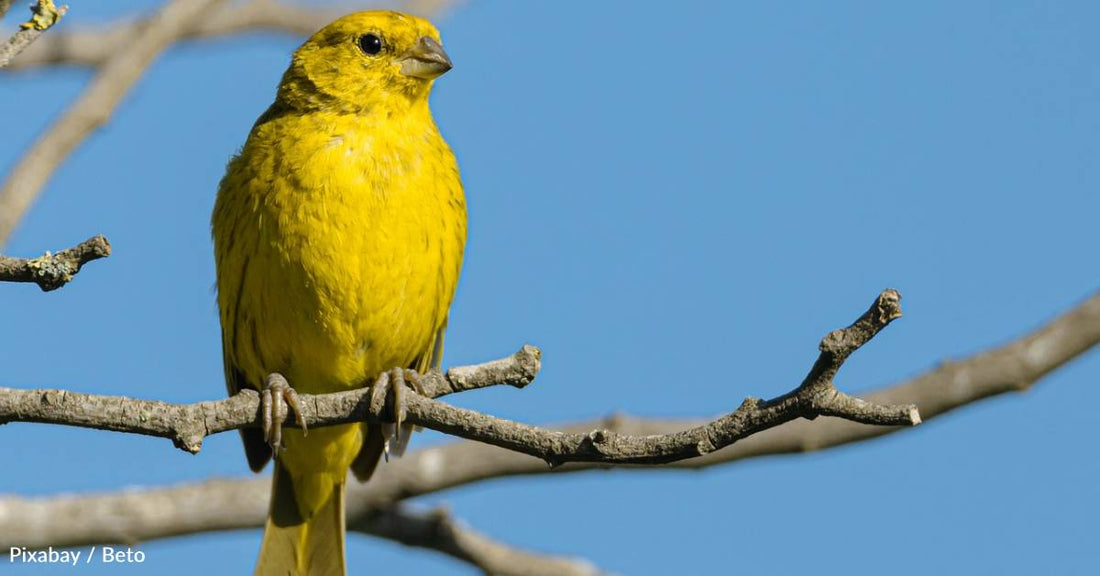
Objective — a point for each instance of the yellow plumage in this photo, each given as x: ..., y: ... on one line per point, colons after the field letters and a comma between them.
x: 338, y: 234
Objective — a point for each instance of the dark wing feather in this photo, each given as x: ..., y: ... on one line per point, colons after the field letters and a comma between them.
x: 374, y: 442
x: 255, y: 447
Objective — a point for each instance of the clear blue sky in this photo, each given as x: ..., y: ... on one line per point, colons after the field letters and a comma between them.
x: 654, y: 192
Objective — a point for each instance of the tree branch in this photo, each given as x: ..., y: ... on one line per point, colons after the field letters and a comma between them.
x: 188, y: 424
x: 242, y: 503
x: 94, y: 47
x: 44, y: 16
x: 434, y: 530
x: 52, y: 271
x: 94, y: 107
x: 437, y: 530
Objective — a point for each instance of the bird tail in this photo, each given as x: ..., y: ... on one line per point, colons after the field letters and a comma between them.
x: 299, y: 541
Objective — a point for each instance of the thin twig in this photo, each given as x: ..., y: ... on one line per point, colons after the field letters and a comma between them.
x: 5, y: 5
x: 93, y: 107
x: 96, y: 46
x: 52, y: 271
x: 44, y: 16
x: 437, y: 530
x: 188, y: 424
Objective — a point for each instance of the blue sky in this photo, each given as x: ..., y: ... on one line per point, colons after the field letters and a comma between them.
x: 654, y: 192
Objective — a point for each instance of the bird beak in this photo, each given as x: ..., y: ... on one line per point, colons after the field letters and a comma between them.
x: 426, y: 60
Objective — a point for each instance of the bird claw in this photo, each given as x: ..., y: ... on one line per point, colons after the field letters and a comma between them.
x: 276, y: 401
x: 393, y: 383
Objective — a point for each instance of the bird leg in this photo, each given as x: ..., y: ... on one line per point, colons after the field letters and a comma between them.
x: 393, y: 383
x: 276, y: 400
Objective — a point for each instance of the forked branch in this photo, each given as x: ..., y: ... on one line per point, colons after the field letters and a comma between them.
x: 187, y: 424
x: 76, y: 520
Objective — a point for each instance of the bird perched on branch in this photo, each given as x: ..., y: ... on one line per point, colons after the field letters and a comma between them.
x: 338, y: 235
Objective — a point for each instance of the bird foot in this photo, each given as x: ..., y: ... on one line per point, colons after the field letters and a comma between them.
x: 276, y: 401
x: 393, y: 382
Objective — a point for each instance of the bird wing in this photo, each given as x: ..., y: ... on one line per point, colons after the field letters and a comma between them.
x: 255, y: 447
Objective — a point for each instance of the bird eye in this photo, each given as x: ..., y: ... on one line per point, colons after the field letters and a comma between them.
x: 370, y: 44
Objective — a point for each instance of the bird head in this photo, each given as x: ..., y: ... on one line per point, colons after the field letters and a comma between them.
x: 366, y: 60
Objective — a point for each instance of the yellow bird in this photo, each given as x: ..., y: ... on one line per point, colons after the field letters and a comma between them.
x: 338, y: 234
